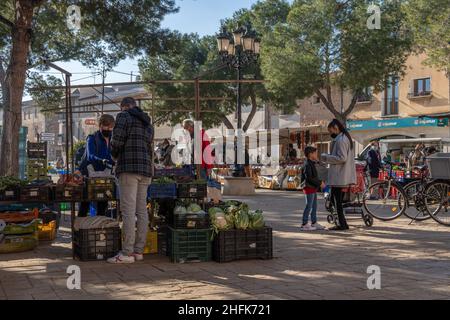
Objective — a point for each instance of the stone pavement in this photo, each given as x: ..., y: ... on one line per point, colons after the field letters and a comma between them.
x: 414, y: 261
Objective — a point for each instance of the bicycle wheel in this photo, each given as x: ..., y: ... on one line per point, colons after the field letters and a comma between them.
x: 416, y: 208
x: 385, y: 201
x: 437, y: 201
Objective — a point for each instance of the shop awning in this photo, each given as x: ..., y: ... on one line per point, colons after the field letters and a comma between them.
x: 396, y: 123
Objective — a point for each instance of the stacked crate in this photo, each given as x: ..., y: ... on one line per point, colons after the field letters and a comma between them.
x: 18, y: 231
x: 37, y: 161
x: 189, y: 235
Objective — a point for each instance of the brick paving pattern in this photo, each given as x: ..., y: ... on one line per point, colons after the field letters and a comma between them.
x: 414, y: 261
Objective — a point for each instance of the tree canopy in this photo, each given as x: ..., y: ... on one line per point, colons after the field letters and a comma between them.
x: 31, y: 30
x: 327, y: 43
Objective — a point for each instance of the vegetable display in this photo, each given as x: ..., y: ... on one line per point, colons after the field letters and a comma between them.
x: 11, y: 182
x: 235, y: 215
x: 163, y: 180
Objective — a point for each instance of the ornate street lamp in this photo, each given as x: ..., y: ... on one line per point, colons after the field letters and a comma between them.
x: 238, y: 50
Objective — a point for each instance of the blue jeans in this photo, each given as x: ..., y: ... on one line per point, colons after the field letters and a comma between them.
x: 311, y: 208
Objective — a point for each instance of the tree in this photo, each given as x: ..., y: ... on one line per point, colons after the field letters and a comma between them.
x: 31, y: 30
x: 198, y: 56
x: 326, y: 43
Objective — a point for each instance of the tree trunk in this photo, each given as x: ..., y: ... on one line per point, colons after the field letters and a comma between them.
x: 252, y: 112
x: 15, y: 81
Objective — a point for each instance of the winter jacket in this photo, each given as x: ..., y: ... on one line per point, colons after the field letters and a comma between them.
x: 131, y: 142
x: 310, y: 175
x: 342, y: 171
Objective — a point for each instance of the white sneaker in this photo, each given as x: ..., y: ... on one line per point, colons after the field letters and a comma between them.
x: 121, y: 259
x: 307, y: 227
x: 318, y: 226
x: 138, y: 256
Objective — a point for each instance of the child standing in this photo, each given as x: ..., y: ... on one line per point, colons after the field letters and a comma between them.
x: 312, y: 184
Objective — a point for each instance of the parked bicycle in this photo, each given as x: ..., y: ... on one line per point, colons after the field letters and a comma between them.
x: 416, y: 197
x: 386, y: 200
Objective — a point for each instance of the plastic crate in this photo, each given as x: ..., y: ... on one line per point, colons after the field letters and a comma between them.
x: 20, y: 243
x: 162, y: 239
x: 173, y: 172
x: 37, y: 150
x: 49, y: 216
x: 36, y: 193
x: 439, y: 166
x: 19, y: 216
x: 23, y: 228
x: 192, y: 190
x: 37, y: 163
x: 47, y: 231
x: 101, y: 189
x: 186, y: 245
x: 232, y: 245
x: 151, y: 245
x: 162, y: 191
x: 190, y: 221
x: 69, y: 193
x: 97, y: 244
x: 10, y: 194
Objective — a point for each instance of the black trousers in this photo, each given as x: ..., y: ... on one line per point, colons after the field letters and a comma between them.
x: 336, y: 198
x: 102, y: 206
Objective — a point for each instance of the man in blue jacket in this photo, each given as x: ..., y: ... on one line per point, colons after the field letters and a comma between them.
x: 98, y: 154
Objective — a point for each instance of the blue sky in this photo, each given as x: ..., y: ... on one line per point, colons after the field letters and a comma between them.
x: 195, y: 16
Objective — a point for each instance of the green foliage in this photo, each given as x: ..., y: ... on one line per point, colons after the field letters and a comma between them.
x: 45, y: 100
x: 327, y: 43
x: 429, y: 21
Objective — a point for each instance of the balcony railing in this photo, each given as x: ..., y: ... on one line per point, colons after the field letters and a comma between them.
x: 419, y: 95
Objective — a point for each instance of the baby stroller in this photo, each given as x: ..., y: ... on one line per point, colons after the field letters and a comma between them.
x: 352, y: 201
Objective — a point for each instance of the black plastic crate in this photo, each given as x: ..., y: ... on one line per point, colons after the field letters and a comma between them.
x: 190, y: 221
x: 36, y: 193
x: 101, y: 189
x: 97, y: 244
x: 163, y: 233
x: 231, y: 245
x: 10, y: 194
x: 37, y: 150
x: 189, y: 245
x: 192, y: 190
x: 162, y: 191
x: 69, y: 193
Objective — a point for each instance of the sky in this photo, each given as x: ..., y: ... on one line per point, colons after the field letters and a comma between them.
x: 194, y: 16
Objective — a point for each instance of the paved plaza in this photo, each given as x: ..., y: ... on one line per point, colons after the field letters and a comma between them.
x: 414, y: 261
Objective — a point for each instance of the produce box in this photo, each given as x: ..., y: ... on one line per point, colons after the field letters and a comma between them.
x: 36, y: 193
x: 20, y: 243
x: 37, y: 163
x: 190, y: 221
x: 21, y: 228
x: 19, y: 216
x: 97, y: 244
x: 231, y: 245
x: 47, y: 231
x: 37, y: 150
x: 101, y: 189
x: 65, y: 192
x: 151, y: 246
x: 10, y: 194
x: 162, y: 191
x: 162, y: 239
x: 48, y: 216
x: 196, y: 190
x: 189, y: 245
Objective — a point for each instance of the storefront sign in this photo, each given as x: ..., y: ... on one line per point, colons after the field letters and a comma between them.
x: 396, y: 123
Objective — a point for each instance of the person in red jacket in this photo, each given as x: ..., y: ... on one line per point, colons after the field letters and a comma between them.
x: 207, y: 159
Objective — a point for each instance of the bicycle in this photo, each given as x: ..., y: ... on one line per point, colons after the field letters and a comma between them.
x: 416, y: 196
x: 385, y: 200
x: 437, y: 201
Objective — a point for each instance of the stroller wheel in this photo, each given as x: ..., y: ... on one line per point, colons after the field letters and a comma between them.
x: 330, y: 219
x: 368, y: 220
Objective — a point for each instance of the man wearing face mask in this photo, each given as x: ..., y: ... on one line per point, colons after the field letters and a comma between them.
x: 98, y: 154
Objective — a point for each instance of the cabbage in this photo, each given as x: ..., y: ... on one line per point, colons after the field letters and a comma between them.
x: 256, y: 220
x: 180, y: 210
x: 194, y: 208
x: 220, y: 223
x: 242, y: 220
x: 214, y: 211
x: 230, y: 220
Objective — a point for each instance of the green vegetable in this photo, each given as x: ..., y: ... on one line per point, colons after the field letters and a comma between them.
x: 256, y: 220
x: 194, y: 208
x: 180, y: 210
x: 163, y: 180
x: 242, y: 220
x: 11, y: 182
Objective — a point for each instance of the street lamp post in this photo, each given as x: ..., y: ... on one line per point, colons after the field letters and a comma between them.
x: 238, y: 50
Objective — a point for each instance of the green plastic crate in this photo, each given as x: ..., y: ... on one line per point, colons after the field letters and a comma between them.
x: 189, y: 245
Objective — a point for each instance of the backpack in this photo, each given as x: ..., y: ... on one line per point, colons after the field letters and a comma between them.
x: 82, y: 154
